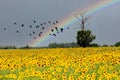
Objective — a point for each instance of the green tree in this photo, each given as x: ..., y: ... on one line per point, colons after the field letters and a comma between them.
x: 84, y: 36
x: 117, y: 44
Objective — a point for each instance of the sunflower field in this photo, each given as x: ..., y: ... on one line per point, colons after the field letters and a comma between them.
x: 60, y: 64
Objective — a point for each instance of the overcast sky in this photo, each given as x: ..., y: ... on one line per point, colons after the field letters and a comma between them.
x: 105, y: 24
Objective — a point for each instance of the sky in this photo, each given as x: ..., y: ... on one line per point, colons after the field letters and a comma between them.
x: 105, y: 24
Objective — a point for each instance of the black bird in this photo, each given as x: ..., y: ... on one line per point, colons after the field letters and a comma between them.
x: 61, y: 29
x: 57, y: 29
x: 34, y: 37
x: 52, y: 30
x: 34, y: 21
x: 49, y: 22
x: 39, y: 35
x: 33, y: 32
x: 37, y: 26
x: 68, y: 28
x: 15, y: 23
x: 44, y: 23
x: 54, y: 34
x: 43, y: 28
x: 30, y: 34
x: 56, y: 21
x: 41, y: 24
x: 30, y: 26
x: 4, y: 28
x: 22, y: 25
x: 17, y: 31
x: 40, y: 32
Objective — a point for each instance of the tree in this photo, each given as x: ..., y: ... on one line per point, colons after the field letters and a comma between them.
x: 84, y: 36
x: 117, y: 44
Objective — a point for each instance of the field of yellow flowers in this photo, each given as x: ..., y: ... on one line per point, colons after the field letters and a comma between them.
x: 60, y: 64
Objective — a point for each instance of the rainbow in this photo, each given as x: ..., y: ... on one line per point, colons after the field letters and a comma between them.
x: 71, y: 19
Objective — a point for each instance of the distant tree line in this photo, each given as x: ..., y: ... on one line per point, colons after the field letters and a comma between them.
x: 61, y: 45
x: 73, y: 45
x: 8, y: 47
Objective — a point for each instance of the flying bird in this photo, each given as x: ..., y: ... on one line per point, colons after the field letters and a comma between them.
x: 52, y: 30
x: 44, y: 23
x: 37, y: 26
x: 17, y: 31
x: 56, y: 21
x: 4, y: 28
x: 30, y: 34
x: 22, y: 25
x: 15, y: 23
x: 43, y: 28
x: 49, y: 22
x: 33, y: 32
x: 30, y: 26
x: 40, y: 32
x: 68, y: 28
x: 41, y: 24
x: 54, y: 34
x: 61, y: 29
x: 34, y: 21
x: 39, y: 35
x: 34, y: 37
x: 57, y: 29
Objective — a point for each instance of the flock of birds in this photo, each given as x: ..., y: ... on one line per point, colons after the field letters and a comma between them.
x: 41, y: 28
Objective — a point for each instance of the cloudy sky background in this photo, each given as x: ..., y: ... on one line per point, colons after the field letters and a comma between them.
x: 105, y: 24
